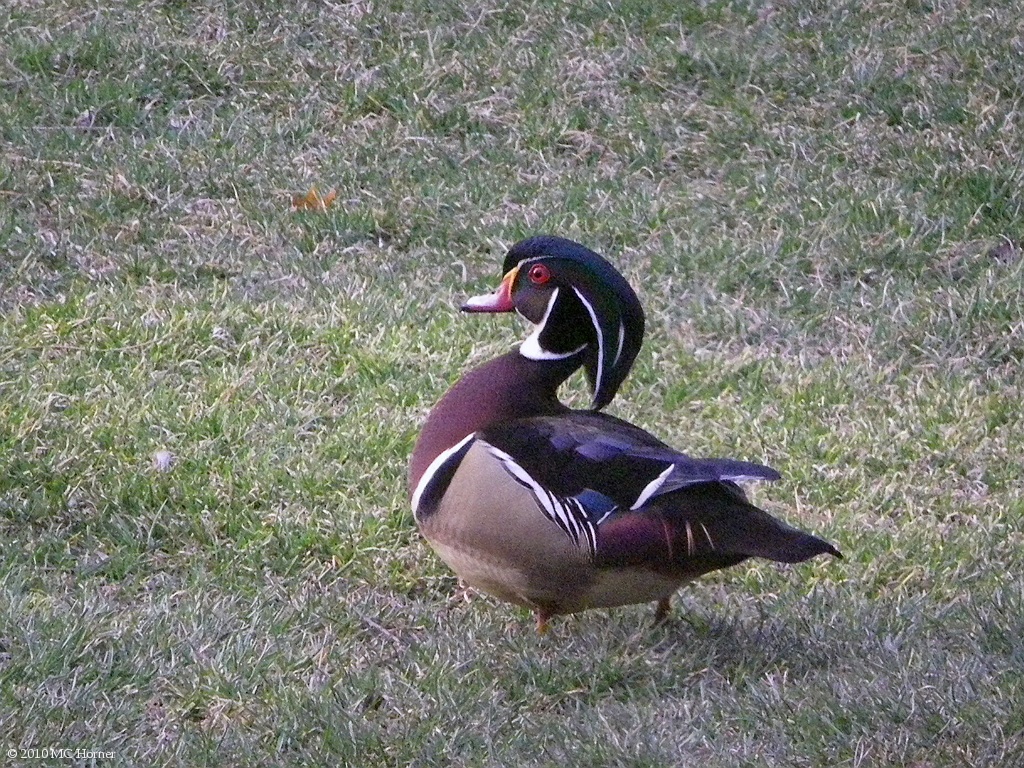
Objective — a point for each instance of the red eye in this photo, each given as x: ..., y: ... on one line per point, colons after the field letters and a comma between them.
x: 539, y: 274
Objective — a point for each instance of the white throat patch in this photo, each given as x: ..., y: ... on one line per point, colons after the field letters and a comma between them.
x: 532, y: 349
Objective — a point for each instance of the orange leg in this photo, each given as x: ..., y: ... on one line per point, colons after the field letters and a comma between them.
x: 542, y: 620
x: 661, y: 612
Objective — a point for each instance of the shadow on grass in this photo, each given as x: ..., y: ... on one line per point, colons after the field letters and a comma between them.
x: 739, y: 648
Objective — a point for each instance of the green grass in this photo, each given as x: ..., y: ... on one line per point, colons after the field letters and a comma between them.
x: 207, y: 399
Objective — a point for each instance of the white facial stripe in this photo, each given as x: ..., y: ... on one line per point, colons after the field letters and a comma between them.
x: 435, y: 465
x: 599, y: 379
x: 650, y: 489
x: 532, y: 258
x: 532, y: 349
x: 622, y: 340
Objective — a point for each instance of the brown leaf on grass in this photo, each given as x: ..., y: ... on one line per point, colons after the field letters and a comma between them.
x: 313, y: 200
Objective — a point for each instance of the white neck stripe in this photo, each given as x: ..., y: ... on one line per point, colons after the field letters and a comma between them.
x: 599, y: 379
x: 532, y: 349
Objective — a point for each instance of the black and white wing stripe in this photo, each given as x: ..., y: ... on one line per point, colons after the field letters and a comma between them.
x: 567, y: 512
x: 437, y: 477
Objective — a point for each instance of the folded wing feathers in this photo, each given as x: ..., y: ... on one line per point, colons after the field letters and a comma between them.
x: 685, y: 471
x: 617, y: 459
x: 567, y: 512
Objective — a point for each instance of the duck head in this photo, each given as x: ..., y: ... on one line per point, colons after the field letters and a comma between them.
x: 579, y: 305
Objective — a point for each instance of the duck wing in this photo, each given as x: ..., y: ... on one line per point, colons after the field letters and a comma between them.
x: 587, y: 451
x: 645, y: 504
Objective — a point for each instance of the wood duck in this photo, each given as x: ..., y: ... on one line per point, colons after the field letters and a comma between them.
x: 562, y: 510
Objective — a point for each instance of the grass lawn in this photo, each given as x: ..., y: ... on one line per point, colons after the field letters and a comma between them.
x: 208, y: 397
